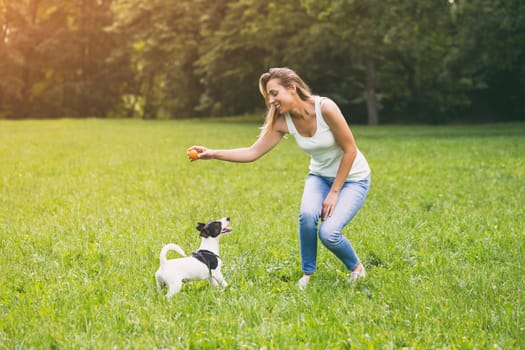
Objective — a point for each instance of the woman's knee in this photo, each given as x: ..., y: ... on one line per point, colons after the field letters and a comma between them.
x: 330, y: 237
x: 308, y: 218
x: 309, y: 215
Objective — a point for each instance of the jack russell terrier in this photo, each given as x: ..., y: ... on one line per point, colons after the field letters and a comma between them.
x: 204, y: 263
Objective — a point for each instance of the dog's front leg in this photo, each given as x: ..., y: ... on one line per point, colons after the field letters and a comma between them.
x: 217, y: 280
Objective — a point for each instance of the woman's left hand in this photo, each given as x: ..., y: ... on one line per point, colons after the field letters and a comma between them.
x: 328, y: 205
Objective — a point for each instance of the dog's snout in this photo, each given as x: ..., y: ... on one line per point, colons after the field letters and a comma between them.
x: 227, y: 218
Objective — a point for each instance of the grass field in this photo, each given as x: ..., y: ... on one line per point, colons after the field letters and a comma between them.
x: 85, y: 207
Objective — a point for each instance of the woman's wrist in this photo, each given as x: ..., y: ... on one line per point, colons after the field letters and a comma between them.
x: 335, y: 191
x: 213, y: 154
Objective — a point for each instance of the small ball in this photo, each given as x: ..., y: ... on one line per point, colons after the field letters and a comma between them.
x: 193, y: 154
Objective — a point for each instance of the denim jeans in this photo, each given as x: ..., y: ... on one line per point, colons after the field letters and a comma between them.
x: 351, y: 198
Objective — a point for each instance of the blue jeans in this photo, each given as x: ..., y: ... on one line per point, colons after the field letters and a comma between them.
x: 351, y: 198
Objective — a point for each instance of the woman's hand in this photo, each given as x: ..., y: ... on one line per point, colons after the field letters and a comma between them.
x: 328, y: 205
x: 202, y: 153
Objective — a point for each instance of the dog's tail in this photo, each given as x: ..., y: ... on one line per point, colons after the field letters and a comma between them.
x: 167, y: 248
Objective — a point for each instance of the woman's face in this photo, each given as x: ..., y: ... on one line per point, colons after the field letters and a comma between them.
x: 279, y: 96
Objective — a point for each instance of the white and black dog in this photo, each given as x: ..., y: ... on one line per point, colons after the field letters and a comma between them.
x: 204, y: 263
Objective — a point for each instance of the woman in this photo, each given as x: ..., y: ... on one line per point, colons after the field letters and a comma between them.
x: 339, y: 176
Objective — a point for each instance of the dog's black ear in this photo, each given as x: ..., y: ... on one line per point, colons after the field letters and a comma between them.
x: 203, y: 229
x: 213, y: 229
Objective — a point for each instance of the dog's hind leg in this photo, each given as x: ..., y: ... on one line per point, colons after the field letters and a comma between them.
x: 159, y: 280
x: 174, y: 288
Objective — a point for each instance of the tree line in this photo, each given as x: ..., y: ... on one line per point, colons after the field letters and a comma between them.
x: 382, y: 61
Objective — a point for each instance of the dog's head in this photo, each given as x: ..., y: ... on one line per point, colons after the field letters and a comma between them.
x: 214, y: 228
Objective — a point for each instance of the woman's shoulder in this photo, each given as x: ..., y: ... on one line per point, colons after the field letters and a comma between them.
x: 329, y: 108
x: 326, y: 103
x: 330, y: 112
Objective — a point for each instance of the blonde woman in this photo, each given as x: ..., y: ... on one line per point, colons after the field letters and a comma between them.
x: 338, y: 180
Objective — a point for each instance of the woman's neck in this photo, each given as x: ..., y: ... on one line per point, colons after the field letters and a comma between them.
x: 305, y: 109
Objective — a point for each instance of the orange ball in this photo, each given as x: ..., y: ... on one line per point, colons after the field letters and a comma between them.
x: 193, y: 154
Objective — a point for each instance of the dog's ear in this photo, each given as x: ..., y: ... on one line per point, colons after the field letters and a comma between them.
x: 200, y: 226
x: 203, y: 229
x: 213, y: 228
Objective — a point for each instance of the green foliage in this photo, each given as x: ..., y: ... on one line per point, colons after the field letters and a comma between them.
x: 161, y: 40
x: 431, y: 61
x: 489, y: 52
x: 231, y: 57
x: 53, y: 58
x: 85, y: 207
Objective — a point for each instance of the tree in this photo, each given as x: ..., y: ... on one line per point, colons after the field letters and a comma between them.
x: 22, y: 29
x: 252, y: 36
x: 489, y: 55
x: 384, y: 59
x: 416, y: 43
x: 53, y: 57
x: 359, y: 30
x: 88, y: 82
x: 162, y: 39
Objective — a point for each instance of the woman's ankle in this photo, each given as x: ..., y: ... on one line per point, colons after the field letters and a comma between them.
x: 303, y: 281
x: 359, y: 267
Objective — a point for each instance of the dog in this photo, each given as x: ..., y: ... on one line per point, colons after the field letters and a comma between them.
x: 203, y: 264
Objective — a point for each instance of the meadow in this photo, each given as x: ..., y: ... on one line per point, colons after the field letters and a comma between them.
x: 86, y: 206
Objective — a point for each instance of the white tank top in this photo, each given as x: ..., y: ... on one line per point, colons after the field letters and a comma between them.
x: 325, y: 153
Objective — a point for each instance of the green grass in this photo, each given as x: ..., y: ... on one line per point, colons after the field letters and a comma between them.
x: 85, y: 207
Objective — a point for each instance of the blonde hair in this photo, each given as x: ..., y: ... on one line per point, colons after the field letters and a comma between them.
x: 287, y: 78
